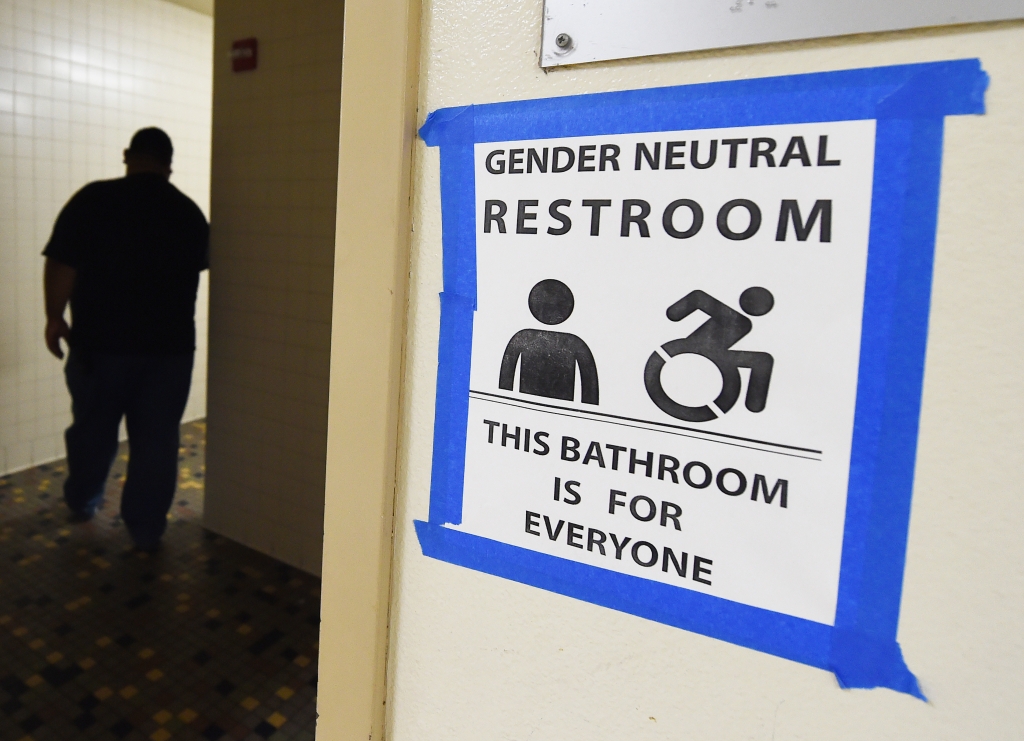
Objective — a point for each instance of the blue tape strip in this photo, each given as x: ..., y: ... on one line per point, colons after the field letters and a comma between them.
x: 458, y: 303
x: 909, y: 103
x: 771, y: 632
x: 458, y: 217
x: 893, y: 344
x: 452, y: 409
x: 932, y: 90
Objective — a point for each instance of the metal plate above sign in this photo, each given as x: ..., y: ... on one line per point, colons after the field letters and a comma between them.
x: 578, y: 31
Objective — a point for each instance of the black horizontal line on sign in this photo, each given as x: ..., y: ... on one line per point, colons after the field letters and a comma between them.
x: 619, y: 420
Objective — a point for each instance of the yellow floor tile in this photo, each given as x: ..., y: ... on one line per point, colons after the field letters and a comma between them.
x: 94, y: 575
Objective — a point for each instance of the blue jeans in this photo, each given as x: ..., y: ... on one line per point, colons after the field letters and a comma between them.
x: 150, y: 392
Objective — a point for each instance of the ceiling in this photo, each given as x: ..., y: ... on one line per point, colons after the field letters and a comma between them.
x: 202, y: 6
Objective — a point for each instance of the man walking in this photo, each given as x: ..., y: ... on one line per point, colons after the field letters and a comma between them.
x: 127, y: 253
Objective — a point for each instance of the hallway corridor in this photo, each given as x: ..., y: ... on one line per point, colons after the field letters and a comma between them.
x: 205, y: 639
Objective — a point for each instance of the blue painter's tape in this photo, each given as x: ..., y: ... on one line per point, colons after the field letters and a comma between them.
x: 447, y: 120
x: 933, y: 90
x: 458, y: 219
x: 452, y: 411
x: 862, y: 661
x: 908, y: 103
x: 937, y: 90
x: 771, y: 632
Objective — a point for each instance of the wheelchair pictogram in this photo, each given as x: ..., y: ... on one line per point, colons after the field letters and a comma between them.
x: 713, y: 340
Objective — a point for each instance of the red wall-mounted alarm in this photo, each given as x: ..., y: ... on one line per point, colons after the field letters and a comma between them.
x: 243, y: 55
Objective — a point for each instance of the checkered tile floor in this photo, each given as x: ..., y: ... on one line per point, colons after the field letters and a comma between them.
x: 204, y: 639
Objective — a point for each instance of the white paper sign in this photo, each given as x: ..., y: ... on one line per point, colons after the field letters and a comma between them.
x: 682, y: 346
x: 665, y: 354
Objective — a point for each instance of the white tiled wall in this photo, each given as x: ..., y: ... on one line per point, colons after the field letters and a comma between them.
x: 77, y: 78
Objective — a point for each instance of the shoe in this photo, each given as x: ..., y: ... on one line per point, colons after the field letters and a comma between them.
x: 79, y: 517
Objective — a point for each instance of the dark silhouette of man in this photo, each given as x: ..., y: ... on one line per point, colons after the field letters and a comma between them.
x: 127, y: 254
x: 713, y: 340
x: 549, y: 359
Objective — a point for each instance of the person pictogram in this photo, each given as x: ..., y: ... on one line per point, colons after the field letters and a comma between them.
x: 713, y: 340
x: 547, y: 359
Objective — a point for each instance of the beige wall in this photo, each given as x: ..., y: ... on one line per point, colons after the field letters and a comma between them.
x: 76, y: 81
x: 274, y: 184
x: 378, y: 131
x: 476, y: 657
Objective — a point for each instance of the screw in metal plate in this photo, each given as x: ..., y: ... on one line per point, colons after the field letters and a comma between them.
x: 563, y: 41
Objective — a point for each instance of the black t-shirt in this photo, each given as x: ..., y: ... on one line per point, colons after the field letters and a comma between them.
x: 137, y: 245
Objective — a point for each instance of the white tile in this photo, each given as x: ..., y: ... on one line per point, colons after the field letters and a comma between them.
x: 73, y: 99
